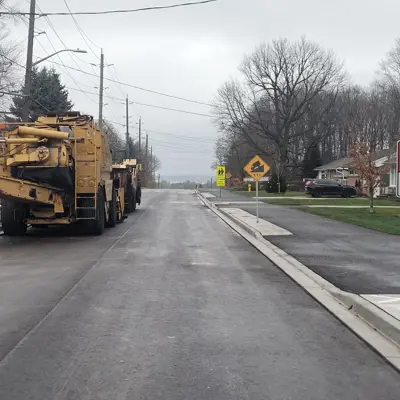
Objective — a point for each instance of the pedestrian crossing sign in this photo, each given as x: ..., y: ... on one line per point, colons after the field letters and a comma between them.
x: 220, y: 171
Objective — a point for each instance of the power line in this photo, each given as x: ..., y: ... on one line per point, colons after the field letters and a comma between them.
x: 174, y: 144
x: 117, y: 81
x: 41, y: 105
x: 65, y: 47
x: 42, y: 14
x: 80, y: 30
x: 172, y: 109
x: 150, y: 105
x: 198, y: 138
x: 137, y: 87
x: 79, y: 89
x: 183, y: 147
x: 68, y: 73
x: 180, y: 137
x: 119, y: 99
x: 63, y: 43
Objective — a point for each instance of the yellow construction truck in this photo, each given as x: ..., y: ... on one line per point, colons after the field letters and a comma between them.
x: 131, y: 184
x: 58, y: 170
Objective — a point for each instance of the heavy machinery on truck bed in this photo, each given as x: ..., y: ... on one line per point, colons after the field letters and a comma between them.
x: 131, y: 183
x: 58, y: 170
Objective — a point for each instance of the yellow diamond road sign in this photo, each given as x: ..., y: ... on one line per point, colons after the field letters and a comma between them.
x: 220, y: 171
x: 257, y: 168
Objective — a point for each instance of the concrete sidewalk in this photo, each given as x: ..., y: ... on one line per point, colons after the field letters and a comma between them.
x: 352, y: 258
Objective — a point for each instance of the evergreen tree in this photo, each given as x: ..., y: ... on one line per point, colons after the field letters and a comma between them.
x: 311, y: 161
x: 272, y: 185
x: 47, y: 95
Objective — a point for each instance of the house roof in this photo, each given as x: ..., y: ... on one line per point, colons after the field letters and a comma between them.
x: 340, y: 163
x: 383, y: 153
x: 345, y: 162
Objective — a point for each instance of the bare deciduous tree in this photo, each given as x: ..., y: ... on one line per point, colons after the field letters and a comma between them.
x: 364, y: 162
x: 281, y: 82
x: 9, y: 53
x: 116, y: 143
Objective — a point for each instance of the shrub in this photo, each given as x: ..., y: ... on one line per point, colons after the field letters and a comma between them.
x: 272, y: 185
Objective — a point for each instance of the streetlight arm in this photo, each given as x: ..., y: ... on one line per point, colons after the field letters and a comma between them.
x: 57, y: 52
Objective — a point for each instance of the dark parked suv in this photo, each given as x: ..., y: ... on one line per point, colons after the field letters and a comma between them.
x: 325, y: 187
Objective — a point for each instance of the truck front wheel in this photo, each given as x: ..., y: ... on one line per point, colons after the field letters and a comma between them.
x: 133, y: 201
x: 12, y: 218
x: 97, y: 226
x: 112, y: 212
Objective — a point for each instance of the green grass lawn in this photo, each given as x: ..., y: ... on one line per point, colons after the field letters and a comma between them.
x: 305, y: 201
x: 262, y: 193
x: 385, y: 220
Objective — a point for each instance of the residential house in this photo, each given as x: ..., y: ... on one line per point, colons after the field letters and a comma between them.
x: 392, y: 176
x: 338, y: 170
x: 341, y: 170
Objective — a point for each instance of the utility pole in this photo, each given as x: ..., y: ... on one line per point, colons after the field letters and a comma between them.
x: 29, y: 60
x: 151, y: 165
x: 140, y: 139
x: 127, y: 126
x: 146, y: 160
x: 158, y: 181
x: 101, y: 88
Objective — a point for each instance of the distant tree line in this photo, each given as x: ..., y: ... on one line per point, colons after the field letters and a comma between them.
x: 296, y: 106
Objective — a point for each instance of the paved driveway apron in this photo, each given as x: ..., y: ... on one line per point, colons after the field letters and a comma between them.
x: 354, y: 259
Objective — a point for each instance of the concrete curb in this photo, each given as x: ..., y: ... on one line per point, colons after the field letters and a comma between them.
x: 373, y: 315
x: 242, y: 224
x: 377, y: 328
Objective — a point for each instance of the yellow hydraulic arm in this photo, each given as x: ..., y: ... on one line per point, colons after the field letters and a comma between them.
x: 28, y: 191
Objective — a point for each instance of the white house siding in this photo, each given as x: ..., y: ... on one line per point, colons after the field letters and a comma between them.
x: 393, y: 176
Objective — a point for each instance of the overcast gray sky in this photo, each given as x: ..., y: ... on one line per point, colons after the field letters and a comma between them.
x: 189, y: 52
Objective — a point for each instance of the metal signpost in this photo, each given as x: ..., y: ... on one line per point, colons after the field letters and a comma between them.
x: 220, y: 172
x: 257, y: 168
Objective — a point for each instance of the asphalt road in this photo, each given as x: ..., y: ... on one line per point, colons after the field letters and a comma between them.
x: 171, y: 305
x: 354, y: 259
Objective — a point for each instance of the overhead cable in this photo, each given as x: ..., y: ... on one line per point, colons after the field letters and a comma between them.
x: 43, y: 14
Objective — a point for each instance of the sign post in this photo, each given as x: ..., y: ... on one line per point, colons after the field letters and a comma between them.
x: 257, y: 168
x: 220, y: 172
x: 257, y: 199
x: 398, y: 170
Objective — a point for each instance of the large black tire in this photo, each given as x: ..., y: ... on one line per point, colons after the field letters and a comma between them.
x: 128, y: 199
x: 97, y: 226
x: 112, y: 213
x: 12, y: 218
x: 347, y: 194
x: 133, y: 201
